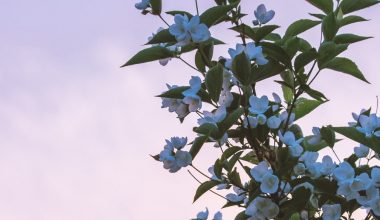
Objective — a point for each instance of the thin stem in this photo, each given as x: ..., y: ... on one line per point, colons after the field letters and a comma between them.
x: 314, y: 77
x: 191, y: 66
x: 200, y: 171
x: 377, y: 104
x: 210, y: 189
x: 164, y: 20
x: 336, y: 155
x: 196, y: 6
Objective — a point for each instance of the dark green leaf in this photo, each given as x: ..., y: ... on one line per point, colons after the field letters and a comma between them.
x: 175, y: 93
x: 231, y: 119
x: 314, y: 93
x: 207, y: 129
x: 329, y: 27
x: 231, y: 163
x: 349, y: 6
x: 345, y: 65
x: 214, y: 81
x: 242, y: 216
x: 199, y: 63
x: 203, y: 188
x: 351, y: 19
x: 234, y: 177
x: 163, y: 36
x: 305, y: 58
x: 212, y: 15
x: 349, y: 38
x: 325, y: 5
x: 299, y: 27
x: 156, y: 6
x: 148, y: 55
x: 355, y: 135
x: 277, y: 53
x: 261, y: 32
x: 305, y: 106
x: 328, y: 50
x: 272, y: 68
x: 229, y: 152
x: 241, y: 67
x: 320, y: 16
x: 197, y: 145
x: 328, y: 135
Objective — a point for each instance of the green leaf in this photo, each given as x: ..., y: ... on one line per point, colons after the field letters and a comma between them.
x: 272, y: 68
x: 174, y: 93
x: 355, y: 135
x: 231, y: 119
x: 241, y: 67
x: 277, y: 53
x: 328, y: 135
x: 299, y: 27
x: 229, y: 152
x: 305, y: 106
x: 345, y: 65
x: 214, y: 81
x: 203, y: 188
x: 212, y: 15
x: 287, y: 87
x: 234, y: 177
x: 261, y: 32
x: 328, y: 50
x: 231, y: 163
x: 349, y: 6
x: 148, y: 55
x: 292, y: 46
x: 313, y: 147
x: 179, y: 12
x: 349, y: 38
x: 351, y: 19
x: 197, y: 145
x: 199, y: 63
x: 325, y: 5
x: 314, y: 93
x: 207, y: 129
x: 163, y: 36
x: 305, y: 58
x: 319, y: 16
x: 329, y: 27
x: 156, y: 6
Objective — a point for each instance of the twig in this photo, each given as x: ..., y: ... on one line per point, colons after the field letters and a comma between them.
x: 210, y: 189
x: 196, y: 6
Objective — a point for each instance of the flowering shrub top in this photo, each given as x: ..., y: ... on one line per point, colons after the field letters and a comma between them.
x: 267, y: 168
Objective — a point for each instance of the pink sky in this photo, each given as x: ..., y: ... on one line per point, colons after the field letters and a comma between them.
x: 76, y: 131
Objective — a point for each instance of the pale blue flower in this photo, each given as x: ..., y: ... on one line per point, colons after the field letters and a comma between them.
x: 360, y: 182
x: 252, y: 52
x: 269, y: 183
x: 274, y: 122
x: 331, y: 212
x: 218, y: 216
x: 238, y: 196
x: 327, y: 165
x: 344, y: 172
x: 203, y: 215
x: 144, y: 4
x: 309, y: 158
x: 261, y: 119
x: 250, y: 122
x: 262, y: 208
x: 316, y: 138
x: 375, y: 206
x: 260, y: 170
x: 186, y: 30
x: 226, y: 98
x: 191, y: 98
x: 177, y: 142
x: 375, y: 176
x: 277, y: 100
x: 284, y: 117
x: 368, y: 125
x: 262, y: 15
x: 295, y: 149
x: 361, y: 151
x: 258, y: 105
x: 345, y: 190
x: 213, y: 117
x: 370, y: 194
x: 183, y: 158
x: 212, y: 172
x: 314, y: 170
x: 171, y: 104
x: 299, y: 169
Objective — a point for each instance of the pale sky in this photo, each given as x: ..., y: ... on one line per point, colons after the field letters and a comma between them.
x: 76, y: 131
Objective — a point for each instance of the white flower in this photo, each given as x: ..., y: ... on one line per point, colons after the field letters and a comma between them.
x: 226, y: 98
x: 203, y: 215
x: 375, y: 206
x: 368, y: 125
x: 185, y: 30
x: 260, y: 170
x: 252, y: 51
x: 173, y: 48
x: 238, y: 196
x: 262, y: 15
x: 191, y: 98
x: 289, y: 139
x: 344, y: 172
x: 213, y: 118
x: 327, y: 165
x: 361, y: 151
x: 172, y: 104
x: 375, y: 176
x: 142, y: 5
x: 274, y: 122
x: 331, y: 212
x: 174, y: 161
x: 182, y: 110
x: 218, y: 216
x: 316, y: 138
x: 269, y: 184
x: 262, y: 207
x: 258, y: 105
x: 183, y: 158
x: 277, y: 100
x: 314, y: 170
x: 299, y: 169
x: 250, y: 122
